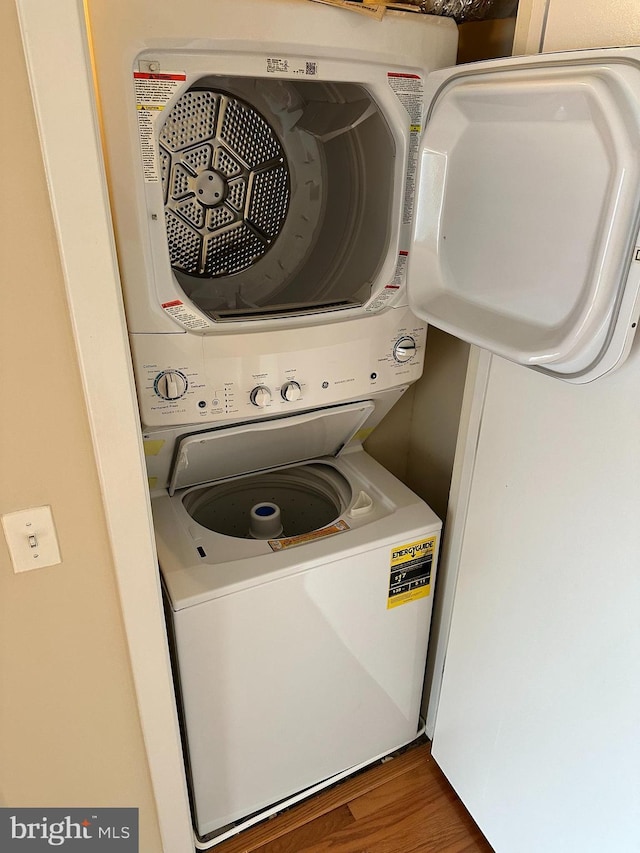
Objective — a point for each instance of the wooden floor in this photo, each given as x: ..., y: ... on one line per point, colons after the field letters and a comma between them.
x: 402, y: 806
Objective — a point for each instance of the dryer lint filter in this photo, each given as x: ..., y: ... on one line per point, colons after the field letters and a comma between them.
x: 225, y: 181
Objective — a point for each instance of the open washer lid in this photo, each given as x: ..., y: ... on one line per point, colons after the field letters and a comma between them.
x: 227, y: 452
x: 528, y: 207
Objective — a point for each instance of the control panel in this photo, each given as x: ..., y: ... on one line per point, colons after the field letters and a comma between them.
x: 188, y: 379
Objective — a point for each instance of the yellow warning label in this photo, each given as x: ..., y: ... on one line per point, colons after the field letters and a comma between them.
x: 280, y: 544
x: 415, y: 128
x: 152, y: 448
x: 410, y: 571
x: 363, y: 434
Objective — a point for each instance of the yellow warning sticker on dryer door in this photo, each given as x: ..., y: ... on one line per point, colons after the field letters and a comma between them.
x: 410, y: 574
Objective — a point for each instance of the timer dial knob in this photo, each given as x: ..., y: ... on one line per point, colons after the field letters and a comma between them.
x: 404, y: 349
x: 170, y: 385
x: 260, y: 396
x: 291, y: 391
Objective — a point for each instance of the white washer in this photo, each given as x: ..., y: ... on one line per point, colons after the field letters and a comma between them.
x: 300, y: 654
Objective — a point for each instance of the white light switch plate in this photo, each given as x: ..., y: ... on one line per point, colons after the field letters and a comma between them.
x: 31, y: 537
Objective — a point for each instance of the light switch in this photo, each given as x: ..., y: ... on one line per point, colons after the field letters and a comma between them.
x: 31, y: 537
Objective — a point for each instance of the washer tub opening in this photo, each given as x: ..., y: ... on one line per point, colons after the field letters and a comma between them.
x: 309, y: 497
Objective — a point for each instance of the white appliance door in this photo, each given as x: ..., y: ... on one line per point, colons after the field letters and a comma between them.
x: 537, y: 724
x: 528, y: 207
x: 250, y: 447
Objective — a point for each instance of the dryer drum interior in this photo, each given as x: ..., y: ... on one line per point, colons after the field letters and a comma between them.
x: 308, y: 497
x: 277, y: 195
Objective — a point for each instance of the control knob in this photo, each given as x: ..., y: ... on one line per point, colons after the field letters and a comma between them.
x: 404, y: 349
x: 291, y: 391
x: 170, y: 385
x: 260, y: 396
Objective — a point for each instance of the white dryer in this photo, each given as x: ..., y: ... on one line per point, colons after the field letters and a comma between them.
x: 299, y: 600
x: 262, y: 161
x: 523, y: 174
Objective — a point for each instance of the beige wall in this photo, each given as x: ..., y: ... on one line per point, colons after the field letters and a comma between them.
x: 436, y: 417
x: 417, y: 439
x: 69, y: 727
x: 591, y: 23
x: 548, y: 25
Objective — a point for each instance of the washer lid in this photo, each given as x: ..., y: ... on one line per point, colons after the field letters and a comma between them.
x: 528, y: 205
x: 227, y: 452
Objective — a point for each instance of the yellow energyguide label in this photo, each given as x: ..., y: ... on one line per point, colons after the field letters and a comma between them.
x: 410, y: 571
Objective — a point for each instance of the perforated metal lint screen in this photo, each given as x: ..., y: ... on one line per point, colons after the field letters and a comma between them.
x: 225, y: 181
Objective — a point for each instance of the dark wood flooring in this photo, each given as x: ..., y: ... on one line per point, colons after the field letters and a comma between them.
x: 404, y: 805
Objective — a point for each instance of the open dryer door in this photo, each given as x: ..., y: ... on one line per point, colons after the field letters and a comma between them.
x: 528, y: 207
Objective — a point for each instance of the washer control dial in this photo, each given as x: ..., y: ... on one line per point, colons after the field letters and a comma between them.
x: 170, y: 385
x: 291, y: 391
x: 260, y: 396
x: 404, y: 349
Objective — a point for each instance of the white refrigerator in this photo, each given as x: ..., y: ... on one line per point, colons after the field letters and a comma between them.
x: 530, y: 245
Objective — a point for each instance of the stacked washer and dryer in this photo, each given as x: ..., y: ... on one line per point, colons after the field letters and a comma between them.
x: 262, y: 158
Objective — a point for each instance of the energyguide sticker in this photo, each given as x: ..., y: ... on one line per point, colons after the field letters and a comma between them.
x: 410, y: 572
